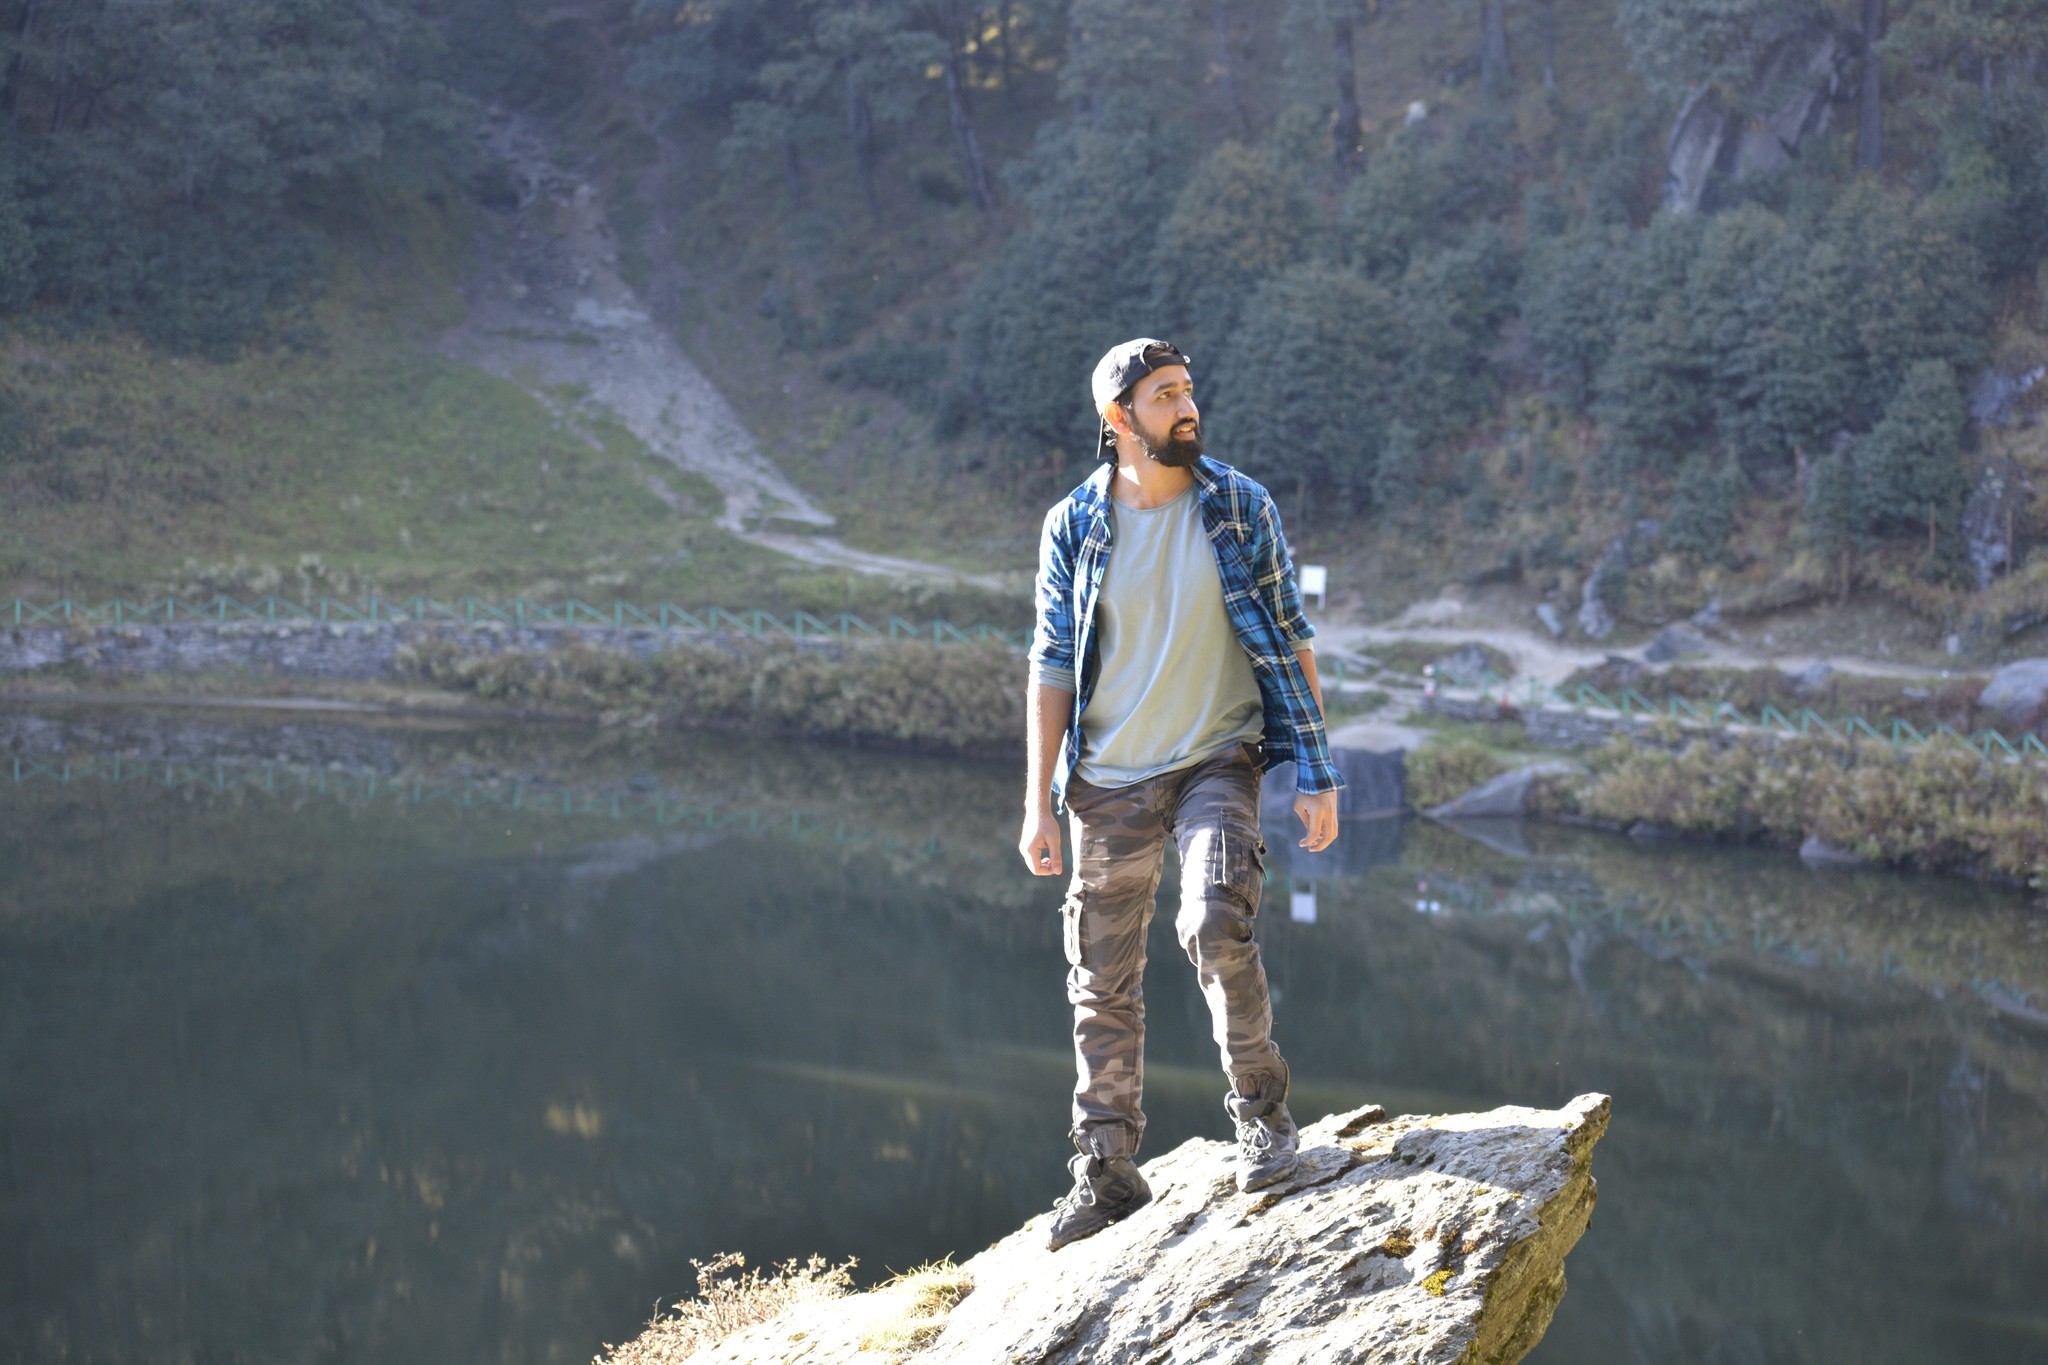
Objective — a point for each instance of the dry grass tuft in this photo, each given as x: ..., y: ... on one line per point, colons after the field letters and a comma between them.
x: 727, y: 1303
x: 928, y: 1294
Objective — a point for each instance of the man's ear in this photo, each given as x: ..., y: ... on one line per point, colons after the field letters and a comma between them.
x: 1119, y: 421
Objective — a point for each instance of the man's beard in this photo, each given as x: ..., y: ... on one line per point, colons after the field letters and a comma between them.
x: 1176, y: 452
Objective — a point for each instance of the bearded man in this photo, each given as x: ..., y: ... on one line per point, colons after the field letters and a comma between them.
x: 1171, y: 665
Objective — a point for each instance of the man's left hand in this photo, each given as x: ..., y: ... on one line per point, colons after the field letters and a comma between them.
x: 1319, y: 817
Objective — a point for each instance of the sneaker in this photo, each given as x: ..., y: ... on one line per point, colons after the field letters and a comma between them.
x: 1106, y: 1190
x: 1268, y: 1147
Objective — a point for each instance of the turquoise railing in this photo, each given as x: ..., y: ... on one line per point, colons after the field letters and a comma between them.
x: 570, y: 614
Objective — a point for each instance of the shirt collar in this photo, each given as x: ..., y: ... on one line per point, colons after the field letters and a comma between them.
x: 1208, y: 478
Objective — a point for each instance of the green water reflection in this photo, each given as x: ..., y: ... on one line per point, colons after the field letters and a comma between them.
x: 298, y: 1072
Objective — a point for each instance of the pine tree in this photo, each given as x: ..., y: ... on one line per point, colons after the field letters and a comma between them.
x: 1921, y: 292
x: 1910, y: 465
x: 1653, y: 389
x: 1567, y: 301
x: 1703, y: 506
x: 1807, y: 359
x: 1832, y: 517
x: 1397, y: 476
x: 1730, y: 292
x: 1056, y: 296
x: 1304, y: 394
x: 1237, y: 221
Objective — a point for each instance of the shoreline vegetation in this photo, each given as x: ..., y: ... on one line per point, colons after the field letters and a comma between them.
x: 1938, y: 808
x: 955, y: 698
x: 1941, y: 808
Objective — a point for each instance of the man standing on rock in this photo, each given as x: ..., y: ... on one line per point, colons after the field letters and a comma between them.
x: 1170, y: 666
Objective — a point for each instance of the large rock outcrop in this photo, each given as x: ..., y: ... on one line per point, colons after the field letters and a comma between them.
x: 1790, y: 98
x: 1415, y: 1239
x: 1504, y: 796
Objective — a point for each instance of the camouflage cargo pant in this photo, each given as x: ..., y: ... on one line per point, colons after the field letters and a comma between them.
x: 1211, y: 813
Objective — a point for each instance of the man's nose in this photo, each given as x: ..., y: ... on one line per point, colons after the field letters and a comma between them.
x: 1185, y: 409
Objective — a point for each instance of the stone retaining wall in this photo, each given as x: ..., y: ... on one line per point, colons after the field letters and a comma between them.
x: 1550, y: 727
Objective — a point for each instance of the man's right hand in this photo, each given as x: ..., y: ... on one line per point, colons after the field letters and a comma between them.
x: 1040, y: 843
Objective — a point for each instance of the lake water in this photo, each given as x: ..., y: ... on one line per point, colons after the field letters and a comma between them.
x: 326, y: 1043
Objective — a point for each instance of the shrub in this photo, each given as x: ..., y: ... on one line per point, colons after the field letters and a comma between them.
x: 1439, y: 772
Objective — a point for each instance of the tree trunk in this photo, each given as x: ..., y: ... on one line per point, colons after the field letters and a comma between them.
x: 1074, y: 40
x: 1347, y: 135
x: 1869, y: 99
x: 1226, y: 67
x: 963, y: 132
x: 860, y: 130
x: 1009, y: 62
x: 17, y: 64
x: 1493, y: 45
x: 1550, y: 44
x: 793, y: 167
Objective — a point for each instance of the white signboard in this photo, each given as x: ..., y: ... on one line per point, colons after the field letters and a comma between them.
x: 1315, y: 582
x: 1301, y: 907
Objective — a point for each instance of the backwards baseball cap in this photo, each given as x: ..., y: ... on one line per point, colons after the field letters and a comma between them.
x: 1124, y: 366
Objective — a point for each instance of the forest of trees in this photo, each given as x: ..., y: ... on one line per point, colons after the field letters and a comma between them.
x: 1767, y: 255
x: 1802, y: 322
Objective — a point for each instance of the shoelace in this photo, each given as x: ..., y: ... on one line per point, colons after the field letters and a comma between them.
x: 1080, y: 1197
x: 1254, y: 1135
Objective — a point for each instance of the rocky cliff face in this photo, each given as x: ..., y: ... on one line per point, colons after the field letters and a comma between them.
x: 1413, y: 1239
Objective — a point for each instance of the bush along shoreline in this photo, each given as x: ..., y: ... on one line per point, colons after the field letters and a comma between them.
x: 1939, y: 808
x: 954, y: 698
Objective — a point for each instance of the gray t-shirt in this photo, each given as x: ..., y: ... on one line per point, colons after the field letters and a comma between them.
x: 1174, y: 686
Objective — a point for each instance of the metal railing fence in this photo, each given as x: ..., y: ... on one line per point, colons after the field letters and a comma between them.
x: 1627, y: 703
x: 573, y: 613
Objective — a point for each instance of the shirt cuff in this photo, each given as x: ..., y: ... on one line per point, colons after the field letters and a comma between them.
x: 1305, y: 640
x: 1052, y: 675
x: 1315, y: 771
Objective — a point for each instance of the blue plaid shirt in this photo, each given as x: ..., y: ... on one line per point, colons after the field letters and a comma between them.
x: 1258, y: 591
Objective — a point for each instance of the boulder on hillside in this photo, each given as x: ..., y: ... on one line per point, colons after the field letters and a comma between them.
x: 1414, y: 1239
x: 1466, y: 663
x: 2017, y: 691
x: 1675, y: 642
x: 1811, y: 680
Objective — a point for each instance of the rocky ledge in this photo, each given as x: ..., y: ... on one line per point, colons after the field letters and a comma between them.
x: 1413, y: 1239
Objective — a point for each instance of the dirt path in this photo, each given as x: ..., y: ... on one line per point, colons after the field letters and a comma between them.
x: 1546, y: 660
x: 1532, y: 656
x: 548, y: 308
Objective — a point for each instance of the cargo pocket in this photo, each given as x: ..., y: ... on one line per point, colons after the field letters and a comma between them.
x: 1070, y: 928
x: 1238, y: 865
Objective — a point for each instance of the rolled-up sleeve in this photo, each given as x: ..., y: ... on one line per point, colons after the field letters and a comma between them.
x: 1052, y: 635
x: 1275, y: 571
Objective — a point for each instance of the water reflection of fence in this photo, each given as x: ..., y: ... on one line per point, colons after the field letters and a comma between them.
x: 573, y: 613
x: 367, y: 787
x: 1627, y: 703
